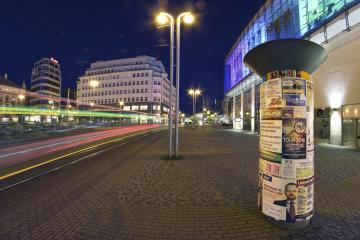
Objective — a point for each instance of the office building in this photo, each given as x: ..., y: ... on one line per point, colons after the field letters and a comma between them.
x: 335, y: 25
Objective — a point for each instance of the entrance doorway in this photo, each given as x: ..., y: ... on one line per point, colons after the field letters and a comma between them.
x: 351, y: 132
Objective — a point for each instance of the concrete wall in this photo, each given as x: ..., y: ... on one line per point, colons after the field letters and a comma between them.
x: 337, y: 82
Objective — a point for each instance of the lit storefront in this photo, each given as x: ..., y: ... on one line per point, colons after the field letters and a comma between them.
x: 331, y: 23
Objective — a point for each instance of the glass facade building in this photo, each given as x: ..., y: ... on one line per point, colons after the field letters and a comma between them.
x: 279, y: 19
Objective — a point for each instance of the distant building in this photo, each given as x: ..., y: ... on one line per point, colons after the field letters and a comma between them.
x: 131, y: 84
x: 11, y: 94
x: 46, y: 82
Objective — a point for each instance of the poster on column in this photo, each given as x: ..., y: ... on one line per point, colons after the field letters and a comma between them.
x: 305, y: 199
x: 310, y: 130
x: 272, y: 93
x: 287, y: 200
x: 293, y: 92
x: 270, y: 113
x: 294, y: 138
x: 309, y: 96
x: 270, y: 135
x: 269, y: 168
x: 297, y: 168
x: 277, y: 192
x: 294, y: 112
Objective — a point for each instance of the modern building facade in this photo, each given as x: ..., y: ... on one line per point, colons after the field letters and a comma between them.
x: 46, y: 83
x: 132, y: 84
x: 332, y: 23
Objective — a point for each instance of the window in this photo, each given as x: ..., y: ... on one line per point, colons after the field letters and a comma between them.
x: 142, y: 83
x: 146, y: 82
x: 137, y: 90
x: 134, y: 108
x: 145, y: 99
x: 142, y: 75
x: 127, y: 108
x: 133, y: 91
x: 143, y: 107
x: 146, y: 74
x: 137, y: 82
x: 137, y: 99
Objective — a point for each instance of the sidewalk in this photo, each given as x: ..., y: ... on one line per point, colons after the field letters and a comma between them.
x: 133, y: 193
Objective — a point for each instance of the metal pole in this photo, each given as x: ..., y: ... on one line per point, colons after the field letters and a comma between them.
x: 194, y: 105
x: 171, y: 83
x: 178, y: 31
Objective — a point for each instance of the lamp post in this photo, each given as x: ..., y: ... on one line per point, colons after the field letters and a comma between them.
x: 21, y: 98
x: 164, y: 18
x: 188, y: 18
x: 92, y: 105
x: 194, y: 93
x: 93, y: 84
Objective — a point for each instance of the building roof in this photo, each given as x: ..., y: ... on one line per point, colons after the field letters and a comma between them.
x: 8, y: 82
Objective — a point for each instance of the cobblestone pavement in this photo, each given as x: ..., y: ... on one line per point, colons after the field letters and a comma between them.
x: 132, y: 192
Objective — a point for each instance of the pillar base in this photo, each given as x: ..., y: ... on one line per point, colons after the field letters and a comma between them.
x: 287, y: 225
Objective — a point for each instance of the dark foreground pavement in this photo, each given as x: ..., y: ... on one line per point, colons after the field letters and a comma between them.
x: 132, y: 192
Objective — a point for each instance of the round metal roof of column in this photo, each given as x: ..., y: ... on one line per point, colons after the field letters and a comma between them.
x: 285, y: 54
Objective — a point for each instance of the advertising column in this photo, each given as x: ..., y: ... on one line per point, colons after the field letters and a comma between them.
x: 286, y: 167
x: 286, y: 146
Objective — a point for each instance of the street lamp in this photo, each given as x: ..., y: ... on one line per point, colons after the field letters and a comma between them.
x: 194, y: 93
x: 121, y: 104
x: 162, y: 19
x: 92, y: 105
x: 188, y: 18
x: 21, y: 97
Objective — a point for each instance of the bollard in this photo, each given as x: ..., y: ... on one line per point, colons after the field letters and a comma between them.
x: 286, y: 146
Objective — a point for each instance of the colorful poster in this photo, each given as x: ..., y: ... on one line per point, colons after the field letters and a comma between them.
x: 294, y: 138
x: 309, y: 95
x: 293, y: 92
x: 294, y: 112
x: 287, y: 200
x: 270, y: 135
x: 272, y: 93
x: 297, y: 168
x: 305, y: 196
x: 271, y: 156
x: 270, y: 113
x: 270, y: 168
x: 273, y: 191
x: 310, y: 130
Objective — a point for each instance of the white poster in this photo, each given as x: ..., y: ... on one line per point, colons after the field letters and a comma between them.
x: 287, y: 200
x: 297, y: 168
x: 270, y: 135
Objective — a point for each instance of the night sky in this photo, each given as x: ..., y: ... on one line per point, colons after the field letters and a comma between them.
x: 79, y: 32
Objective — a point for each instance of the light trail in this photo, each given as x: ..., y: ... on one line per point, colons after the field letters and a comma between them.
x: 75, y: 113
x: 17, y: 154
x: 64, y: 156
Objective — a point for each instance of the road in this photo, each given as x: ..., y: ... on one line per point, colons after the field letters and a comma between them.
x: 16, y: 154
x: 132, y: 191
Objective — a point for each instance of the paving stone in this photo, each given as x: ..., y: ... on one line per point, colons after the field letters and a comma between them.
x: 132, y: 192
